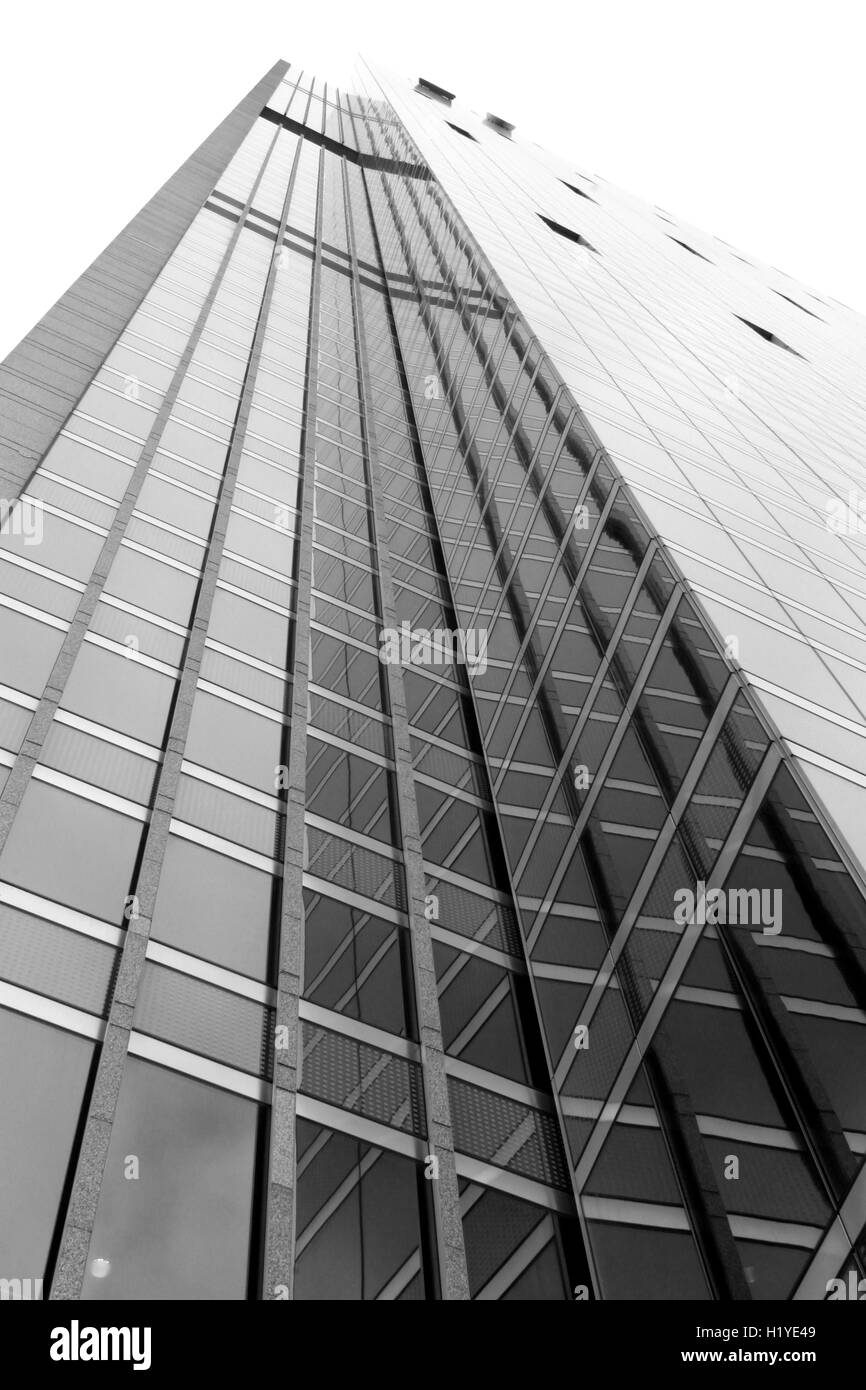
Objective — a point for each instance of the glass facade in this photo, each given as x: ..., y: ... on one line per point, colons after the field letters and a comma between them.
x: 429, y: 864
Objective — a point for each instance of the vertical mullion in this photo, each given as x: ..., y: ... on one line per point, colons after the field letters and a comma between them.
x: 280, y: 1216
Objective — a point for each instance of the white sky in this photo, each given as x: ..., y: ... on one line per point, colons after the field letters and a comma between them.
x: 744, y: 118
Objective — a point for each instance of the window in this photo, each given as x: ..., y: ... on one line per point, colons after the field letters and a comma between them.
x: 40, y: 1097
x: 182, y: 1231
x: 475, y: 1027
x: 119, y: 692
x: 61, y: 545
x: 148, y: 583
x: 72, y: 851
x: 838, y: 1053
x: 426, y: 88
x: 269, y: 478
x: 461, y: 131
x: 359, y: 1220
x: 29, y: 650
x: 496, y: 1228
x: 802, y: 307
x: 348, y: 790
x: 579, y: 191
x: 174, y: 505
x: 191, y: 444
x: 248, y: 627
x: 767, y: 335
x: 503, y: 128
x: 345, y: 670
x: 214, y: 907
x: 772, y: 1271
x: 354, y: 963
x: 234, y: 741
x: 635, y: 1262
x: 567, y: 232
x: 686, y: 247
x: 70, y: 458
x: 741, y: 1090
x: 274, y: 548
x: 115, y: 409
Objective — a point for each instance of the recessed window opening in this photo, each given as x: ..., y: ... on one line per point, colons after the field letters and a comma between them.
x: 578, y: 191
x: 426, y: 88
x: 799, y: 306
x: 768, y: 336
x: 686, y: 247
x: 567, y: 233
x: 461, y: 131
x: 501, y: 127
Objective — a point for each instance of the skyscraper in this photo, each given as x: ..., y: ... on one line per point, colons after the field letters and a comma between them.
x: 433, y: 641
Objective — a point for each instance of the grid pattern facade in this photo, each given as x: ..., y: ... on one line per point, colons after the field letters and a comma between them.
x: 335, y: 974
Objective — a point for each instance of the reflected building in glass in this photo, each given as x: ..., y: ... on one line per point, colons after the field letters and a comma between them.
x: 432, y: 730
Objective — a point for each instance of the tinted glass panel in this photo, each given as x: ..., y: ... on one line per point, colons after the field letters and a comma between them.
x: 29, y: 651
x: 151, y: 585
x: 119, y: 692
x: 213, y: 907
x: 182, y: 1228
x: 359, y: 1226
x: 44, y: 1092
x: 234, y: 741
x: 72, y: 850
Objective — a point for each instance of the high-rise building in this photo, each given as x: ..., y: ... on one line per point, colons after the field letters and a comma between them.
x: 432, y: 729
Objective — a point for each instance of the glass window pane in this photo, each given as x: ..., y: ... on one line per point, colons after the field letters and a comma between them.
x: 174, y: 505
x: 119, y: 692
x: 29, y: 651
x: 182, y: 1229
x: 214, y: 907
x: 353, y: 963
x: 64, y: 547
x: 234, y: 742
x: 72, y: 851
x: 70, y: 458
x: 151, y: 585
x: 249, y: 628
x: 636, y: 1263
x: 359, y: 1224
x: 40, y: 1100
